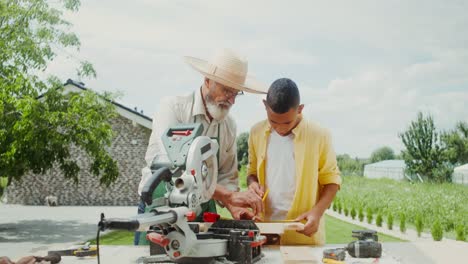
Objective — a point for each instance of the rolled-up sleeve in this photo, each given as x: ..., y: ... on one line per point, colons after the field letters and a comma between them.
x: 165, y: 117
x: 228, y: 175
x: 252, y: 166
x: 328, y: 167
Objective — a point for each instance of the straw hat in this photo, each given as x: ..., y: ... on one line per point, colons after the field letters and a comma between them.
x: 227, y: 68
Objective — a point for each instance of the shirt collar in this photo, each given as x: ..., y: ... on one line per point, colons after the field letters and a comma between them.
x: 296, y: 131
x: 198, y: 107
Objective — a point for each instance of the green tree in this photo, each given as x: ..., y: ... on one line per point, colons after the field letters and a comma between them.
x: 424, y: 154
x: 243, y: 149
x: 39, y: 124
x: 456, y: 143
x: 350, y: 166
x: 383, y: 153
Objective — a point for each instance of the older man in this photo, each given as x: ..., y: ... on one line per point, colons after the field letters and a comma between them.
x: 225, y: 78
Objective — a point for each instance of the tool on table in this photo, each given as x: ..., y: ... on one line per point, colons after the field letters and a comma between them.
x: 190, y: 179
x: 78, y: 251
x: 332, y: 261
x: 337, y: 254
x: 366, y: 246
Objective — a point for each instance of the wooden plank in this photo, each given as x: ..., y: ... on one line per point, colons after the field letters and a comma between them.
x: 278, y: 228
x: 299, y: 255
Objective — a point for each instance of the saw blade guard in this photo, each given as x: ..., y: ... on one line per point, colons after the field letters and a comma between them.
x: 202, y: 164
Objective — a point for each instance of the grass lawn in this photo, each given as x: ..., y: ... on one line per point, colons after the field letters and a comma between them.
x: 338, y: 232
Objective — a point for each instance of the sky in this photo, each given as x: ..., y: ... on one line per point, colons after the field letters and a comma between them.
x: 364, y: 68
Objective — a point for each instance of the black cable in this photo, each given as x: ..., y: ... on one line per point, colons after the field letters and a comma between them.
x: 97, y: 246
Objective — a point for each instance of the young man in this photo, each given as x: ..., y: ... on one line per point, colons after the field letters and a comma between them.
x: 293, y: 158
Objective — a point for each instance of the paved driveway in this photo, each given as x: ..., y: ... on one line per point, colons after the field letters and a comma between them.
x: 26, y: 230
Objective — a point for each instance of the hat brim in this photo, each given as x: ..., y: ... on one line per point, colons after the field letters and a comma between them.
x: 251, y: 85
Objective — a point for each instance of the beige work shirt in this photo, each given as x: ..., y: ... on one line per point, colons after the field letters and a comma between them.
x: 190, y: 109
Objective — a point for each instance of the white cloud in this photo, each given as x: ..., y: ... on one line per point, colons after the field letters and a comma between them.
x: 364, y: 68
x: 370, y: 110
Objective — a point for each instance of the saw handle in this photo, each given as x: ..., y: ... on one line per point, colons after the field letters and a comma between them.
x: 161, y: 174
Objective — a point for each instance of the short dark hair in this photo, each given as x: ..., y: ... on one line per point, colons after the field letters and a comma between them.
x: 283, y: 95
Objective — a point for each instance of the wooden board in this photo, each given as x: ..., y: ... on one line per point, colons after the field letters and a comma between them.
x: 278, y: 228
x: 299, y: 254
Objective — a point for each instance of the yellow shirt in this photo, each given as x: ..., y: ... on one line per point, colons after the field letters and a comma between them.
x: 316, y: 166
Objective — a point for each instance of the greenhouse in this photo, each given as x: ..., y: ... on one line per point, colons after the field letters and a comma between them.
x: 393, y: 169
x: 460, y: 174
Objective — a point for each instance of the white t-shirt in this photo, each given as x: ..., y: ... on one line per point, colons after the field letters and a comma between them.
x: 280, y: 176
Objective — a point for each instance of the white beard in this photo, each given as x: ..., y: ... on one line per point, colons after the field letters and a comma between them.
x: 216, y: 111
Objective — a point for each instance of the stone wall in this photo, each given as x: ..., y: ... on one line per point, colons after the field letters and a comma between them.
x: 128, y: 149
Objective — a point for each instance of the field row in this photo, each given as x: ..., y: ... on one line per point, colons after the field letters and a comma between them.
x: 438, y: 208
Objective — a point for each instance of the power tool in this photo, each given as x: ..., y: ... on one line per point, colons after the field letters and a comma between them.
x: 190, y: 178
x: 366, y: 246
x: 79, y: 251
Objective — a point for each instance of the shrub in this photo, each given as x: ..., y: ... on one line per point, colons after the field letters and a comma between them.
x: 437, y: 231
x: 361, y: 214
x: 334, y: 207
x: 460, y: 231
x: 402, y: 222
x: 390, y: 221
x: 353, y: 213
x: 378, y: 220
x: 448, y: 225
x: 370, y: 217
x: 346, y: 211
x: 419, y: 224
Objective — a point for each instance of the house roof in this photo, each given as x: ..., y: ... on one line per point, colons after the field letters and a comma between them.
x: 461, y: 168
x: 124, y: 111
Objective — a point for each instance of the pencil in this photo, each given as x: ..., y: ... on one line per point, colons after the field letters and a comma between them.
x: 265, y: 195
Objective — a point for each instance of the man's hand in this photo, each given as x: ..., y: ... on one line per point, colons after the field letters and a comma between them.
x: 240, y: 199
x: 240, y: 213
x: 24, y: 260
x: 27, y: 260
x: 312, y: 224
x: 256, y: 188
x: 246, y: 199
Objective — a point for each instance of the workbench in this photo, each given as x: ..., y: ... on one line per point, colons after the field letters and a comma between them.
x: 393, y: 253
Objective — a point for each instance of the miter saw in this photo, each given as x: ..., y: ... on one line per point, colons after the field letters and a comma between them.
x: 190, y: 177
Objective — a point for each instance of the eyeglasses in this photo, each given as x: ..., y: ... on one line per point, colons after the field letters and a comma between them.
x: 230, y: 92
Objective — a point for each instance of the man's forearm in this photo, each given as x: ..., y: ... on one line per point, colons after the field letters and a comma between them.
x: 325, y: 199
x: 222, y: 194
